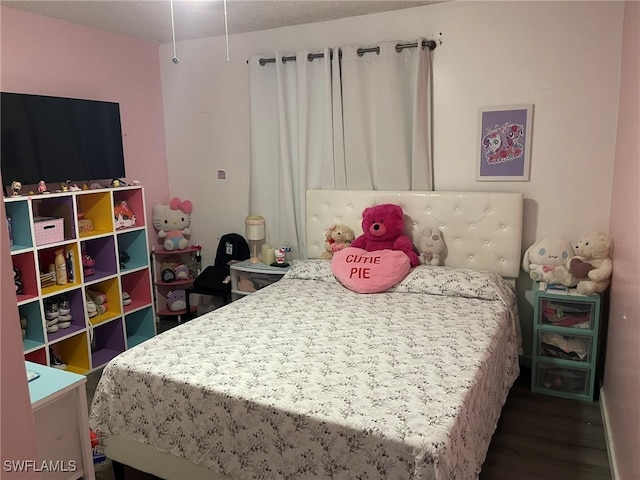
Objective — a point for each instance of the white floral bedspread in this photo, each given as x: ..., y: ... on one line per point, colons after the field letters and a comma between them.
x: 306, y: 379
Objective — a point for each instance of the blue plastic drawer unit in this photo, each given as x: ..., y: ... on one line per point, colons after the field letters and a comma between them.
x: 565, y: 343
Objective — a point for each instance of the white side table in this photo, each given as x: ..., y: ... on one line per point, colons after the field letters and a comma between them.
x: 247, y: 277
x: 59, y: 404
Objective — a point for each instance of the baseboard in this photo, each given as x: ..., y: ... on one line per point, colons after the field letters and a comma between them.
x: 611, y: 451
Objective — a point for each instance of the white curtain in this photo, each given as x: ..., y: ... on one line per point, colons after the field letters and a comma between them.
x: 360, y: 122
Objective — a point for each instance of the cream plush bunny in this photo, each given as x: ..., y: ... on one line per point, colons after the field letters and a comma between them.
x: 432, y: 246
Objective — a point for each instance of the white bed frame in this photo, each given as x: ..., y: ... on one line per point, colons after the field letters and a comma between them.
x: 482, y: 231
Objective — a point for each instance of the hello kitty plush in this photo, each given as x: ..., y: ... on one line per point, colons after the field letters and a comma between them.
x: 280, y: 257
x: 172, y: 223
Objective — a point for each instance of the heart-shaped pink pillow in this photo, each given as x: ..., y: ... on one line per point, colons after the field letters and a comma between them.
x: 369, y: 272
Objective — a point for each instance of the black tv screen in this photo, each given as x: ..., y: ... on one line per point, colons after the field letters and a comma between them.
x: 57, y: 139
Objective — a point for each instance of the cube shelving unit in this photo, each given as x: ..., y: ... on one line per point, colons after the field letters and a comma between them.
x: 88, y: 343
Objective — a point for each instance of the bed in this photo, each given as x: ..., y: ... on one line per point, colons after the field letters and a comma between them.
x: 307, y: 379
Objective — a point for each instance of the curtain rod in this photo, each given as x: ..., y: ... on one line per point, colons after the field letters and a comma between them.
x: 431, y: 44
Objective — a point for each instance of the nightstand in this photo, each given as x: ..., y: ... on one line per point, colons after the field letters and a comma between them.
x: 566, y: 340
x: 59, y: 404
x: 247, y: 277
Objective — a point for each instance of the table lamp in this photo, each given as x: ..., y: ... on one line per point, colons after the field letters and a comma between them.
x: 254, y: 232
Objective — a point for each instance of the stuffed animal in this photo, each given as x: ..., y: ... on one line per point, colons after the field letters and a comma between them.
x: 541, y: 258
x: 123, y: 216
x: 176, y: 300
x: 168, y: 268
x: 431, y: 244
x: 336, y: 237
x: 591, y: 268
x: 172, y: 223
x: 182, y: 272
x: 383, y: 226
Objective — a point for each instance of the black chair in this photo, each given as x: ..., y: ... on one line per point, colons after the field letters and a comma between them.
x: 215, y: 279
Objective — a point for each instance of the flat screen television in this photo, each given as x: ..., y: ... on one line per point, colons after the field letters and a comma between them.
x: 57, y: 139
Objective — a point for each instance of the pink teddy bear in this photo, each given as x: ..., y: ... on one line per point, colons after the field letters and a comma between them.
x: 383, y: 227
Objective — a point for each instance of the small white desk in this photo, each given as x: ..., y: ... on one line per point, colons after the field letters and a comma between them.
x: 59, y: 404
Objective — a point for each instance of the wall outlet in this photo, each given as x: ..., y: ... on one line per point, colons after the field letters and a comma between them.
x: 222, y: 174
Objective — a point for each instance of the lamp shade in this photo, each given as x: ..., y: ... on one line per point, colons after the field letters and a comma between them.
x: 254, y: 227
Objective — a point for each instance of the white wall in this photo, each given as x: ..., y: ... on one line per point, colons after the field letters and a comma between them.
x: 563, y: 57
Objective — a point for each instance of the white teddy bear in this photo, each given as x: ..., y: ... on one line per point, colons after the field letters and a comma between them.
x: 591, y: 268
x: 541, y: 258
x: 432, y: 246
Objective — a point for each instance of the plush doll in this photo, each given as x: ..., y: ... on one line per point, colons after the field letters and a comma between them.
x: 176, y: 300
x: 431, y: 244
x: 591, y: 268
x: 383, y: 226
x: 337, y: 237
x: 541, y: 258
x: 172, y: 223
x: 124, y: 216
x: 182, y: 272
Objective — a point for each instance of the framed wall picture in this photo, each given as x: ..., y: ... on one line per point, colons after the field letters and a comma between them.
x: 504, y: 143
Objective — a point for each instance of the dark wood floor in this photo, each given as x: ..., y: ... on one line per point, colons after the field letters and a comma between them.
x: 538, y: 438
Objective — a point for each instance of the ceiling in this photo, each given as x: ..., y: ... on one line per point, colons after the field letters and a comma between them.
x: 150, y: 20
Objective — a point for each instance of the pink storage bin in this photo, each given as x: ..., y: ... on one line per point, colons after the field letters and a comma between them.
x: 48, y: 230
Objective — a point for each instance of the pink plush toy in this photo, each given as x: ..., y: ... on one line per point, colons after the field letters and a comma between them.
x: 383, y: 227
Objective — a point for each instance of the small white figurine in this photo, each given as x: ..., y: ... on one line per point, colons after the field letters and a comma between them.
x: 16, y: 187
x: 280, y: 256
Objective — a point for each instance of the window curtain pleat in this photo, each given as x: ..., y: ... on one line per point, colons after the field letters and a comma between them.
x: 386, y: 105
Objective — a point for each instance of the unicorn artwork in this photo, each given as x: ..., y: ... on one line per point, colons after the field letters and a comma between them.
x: 501, y: 143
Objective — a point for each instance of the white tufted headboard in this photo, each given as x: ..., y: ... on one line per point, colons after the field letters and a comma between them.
x: 482, y: 230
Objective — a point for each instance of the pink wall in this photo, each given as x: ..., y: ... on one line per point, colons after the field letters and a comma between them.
x: 622, y: 380
x: 51, y: 57
x: 18, y: 439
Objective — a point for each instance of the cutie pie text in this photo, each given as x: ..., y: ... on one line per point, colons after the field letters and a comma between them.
x: 359, y: 270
